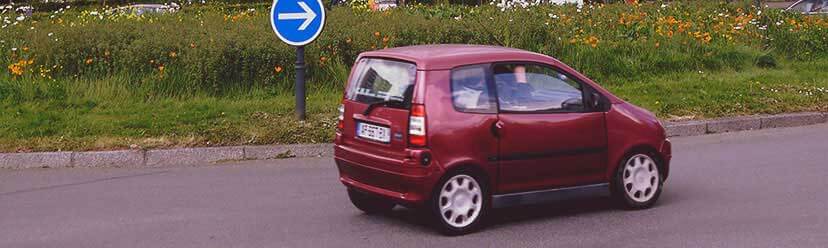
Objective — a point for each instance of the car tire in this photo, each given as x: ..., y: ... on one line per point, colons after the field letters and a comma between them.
x: 460, y: 203
x: 368, y: 203
x: 638, y: 183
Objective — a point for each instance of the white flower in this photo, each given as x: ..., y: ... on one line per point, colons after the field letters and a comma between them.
x: 663, y: 5
x: 20, y: 18
x: 50, y: 34
x: 94, y: 13
x: 553, y: 16
x: 458, y: 18
x: 14, y: 49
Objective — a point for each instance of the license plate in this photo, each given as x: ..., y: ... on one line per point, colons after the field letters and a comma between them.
x: 373, y: 132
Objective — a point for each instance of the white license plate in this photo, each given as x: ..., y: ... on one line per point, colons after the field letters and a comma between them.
x: 373, y: 132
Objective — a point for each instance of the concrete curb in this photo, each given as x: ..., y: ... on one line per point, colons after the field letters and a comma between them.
x: 160, y: 157
x: 743, y: 123
x: 212, y: 155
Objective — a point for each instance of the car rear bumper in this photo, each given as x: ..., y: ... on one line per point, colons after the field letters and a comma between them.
x: 403, y: 181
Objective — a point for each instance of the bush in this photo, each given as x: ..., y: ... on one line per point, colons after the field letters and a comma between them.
x: 216, y: 48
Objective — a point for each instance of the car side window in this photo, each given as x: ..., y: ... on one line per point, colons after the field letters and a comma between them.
x: 470, y: 91
x: 536, y: 88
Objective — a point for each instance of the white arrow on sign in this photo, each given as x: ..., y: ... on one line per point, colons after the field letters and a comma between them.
x: 308, y: 15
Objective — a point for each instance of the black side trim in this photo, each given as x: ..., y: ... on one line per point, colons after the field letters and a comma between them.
x: 539, y: 196
x: 572, y: 152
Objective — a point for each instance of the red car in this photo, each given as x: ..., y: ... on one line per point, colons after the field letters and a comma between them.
x: 462, y: 129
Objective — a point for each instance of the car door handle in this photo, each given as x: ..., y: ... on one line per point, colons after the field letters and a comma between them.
x: 495, y: 128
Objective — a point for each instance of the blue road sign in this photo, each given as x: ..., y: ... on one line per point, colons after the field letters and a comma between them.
x: 297, y: 22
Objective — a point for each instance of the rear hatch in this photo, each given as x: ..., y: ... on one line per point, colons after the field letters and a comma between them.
x: 376, y: 111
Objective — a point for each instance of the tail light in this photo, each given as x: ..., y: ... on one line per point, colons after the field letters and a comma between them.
x: 341, y: 118
x: 417, y: 126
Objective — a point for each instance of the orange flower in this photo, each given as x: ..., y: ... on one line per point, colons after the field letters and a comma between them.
x: 16, y: 69
x: 385, y: 39
x: 88, y: 61
x: 25, y: 49
x: 192, y: 45
x: 323, y: 59
x: 161, y: 70
x: 592, y: 41
x: 277, y: 69
x: 377, y: 34
x: 173, y: 54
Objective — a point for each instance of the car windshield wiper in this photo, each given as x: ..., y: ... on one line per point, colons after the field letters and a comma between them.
x: 381, y: 103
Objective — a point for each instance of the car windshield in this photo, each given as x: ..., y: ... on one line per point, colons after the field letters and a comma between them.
x: 810, y: 6
x: 379, y: 80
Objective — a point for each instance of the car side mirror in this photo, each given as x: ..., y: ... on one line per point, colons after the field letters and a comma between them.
x: 594, y: 100
x: 573, y: 104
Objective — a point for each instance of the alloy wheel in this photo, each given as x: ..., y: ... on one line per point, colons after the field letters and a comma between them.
x: 461, y: 200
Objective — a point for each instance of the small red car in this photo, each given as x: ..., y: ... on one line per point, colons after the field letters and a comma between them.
x: 462, y: 129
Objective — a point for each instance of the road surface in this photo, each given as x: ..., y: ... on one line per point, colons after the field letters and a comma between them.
x: 765, y: 188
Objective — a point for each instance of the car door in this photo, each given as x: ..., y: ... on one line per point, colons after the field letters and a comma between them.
x: 462, y: 112
x: 548, y: 136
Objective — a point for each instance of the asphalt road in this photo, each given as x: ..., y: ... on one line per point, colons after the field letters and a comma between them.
x: 751, y: 189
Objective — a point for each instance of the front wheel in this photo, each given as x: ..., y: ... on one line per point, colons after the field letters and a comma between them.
x: 460, y: 204
x: 638, y: 183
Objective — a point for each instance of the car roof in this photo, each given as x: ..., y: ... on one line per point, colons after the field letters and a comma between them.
x: 447, y: 56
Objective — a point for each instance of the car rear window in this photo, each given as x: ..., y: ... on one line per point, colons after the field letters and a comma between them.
x: 377, y: 80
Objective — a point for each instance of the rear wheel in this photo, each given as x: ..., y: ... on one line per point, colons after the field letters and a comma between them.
x: 460, y: 204
x: 638, y: 182
x: 368, y: 203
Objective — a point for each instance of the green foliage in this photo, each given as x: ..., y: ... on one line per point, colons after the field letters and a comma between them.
x: 766, y: 61
x: 213, y: 48
x: 215, y: 74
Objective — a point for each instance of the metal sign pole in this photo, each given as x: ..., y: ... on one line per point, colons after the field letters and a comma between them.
x: 298, y: 29
x: 300, y: 82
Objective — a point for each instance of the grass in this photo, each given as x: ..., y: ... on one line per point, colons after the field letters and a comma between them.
x: 214, y: 74
x: 81, y: 121
x: 792, y: 87
x: 101, y: 115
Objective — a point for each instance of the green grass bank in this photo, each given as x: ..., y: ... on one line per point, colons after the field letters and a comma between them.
x: 214, y: 74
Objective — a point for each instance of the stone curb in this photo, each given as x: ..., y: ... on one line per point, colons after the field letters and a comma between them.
x: 212, y: 155
x: 161, y: 157
x: 733, y: 124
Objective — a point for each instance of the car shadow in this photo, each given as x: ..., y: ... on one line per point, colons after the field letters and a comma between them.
x: 420, y: 220
x: 546, y: 211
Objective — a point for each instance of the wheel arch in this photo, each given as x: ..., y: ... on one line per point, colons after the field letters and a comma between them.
x: 663, y: 169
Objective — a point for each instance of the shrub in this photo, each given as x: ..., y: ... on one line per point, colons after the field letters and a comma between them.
x: 216, y: 48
